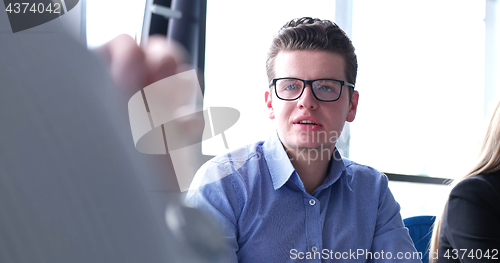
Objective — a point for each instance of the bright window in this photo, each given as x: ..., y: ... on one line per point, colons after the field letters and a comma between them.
x: 423, y: 99
x: 421, y: 84
x: 107, y: 19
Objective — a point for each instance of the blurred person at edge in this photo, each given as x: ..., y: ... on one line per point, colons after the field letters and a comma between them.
x: 469, y: 228
x: 69, y: 187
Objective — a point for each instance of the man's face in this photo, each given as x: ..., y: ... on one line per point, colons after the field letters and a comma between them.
x: 328, y: 117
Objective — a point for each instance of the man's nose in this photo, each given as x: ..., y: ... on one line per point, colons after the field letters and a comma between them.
x: 307, y: 99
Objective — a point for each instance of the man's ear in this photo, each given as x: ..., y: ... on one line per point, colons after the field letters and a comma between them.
x: 353, y: 106
x: 269, y: 104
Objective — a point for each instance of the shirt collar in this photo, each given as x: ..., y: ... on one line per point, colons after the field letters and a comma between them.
x: 281, y: 169
x: 277, y: 160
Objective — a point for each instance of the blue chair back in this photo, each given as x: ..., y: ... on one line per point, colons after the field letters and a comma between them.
x: 420, y: 228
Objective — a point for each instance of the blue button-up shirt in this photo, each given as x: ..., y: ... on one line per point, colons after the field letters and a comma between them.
x: 258, y: 199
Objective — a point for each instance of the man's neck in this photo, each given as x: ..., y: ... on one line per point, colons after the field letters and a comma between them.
x: 311, y: 166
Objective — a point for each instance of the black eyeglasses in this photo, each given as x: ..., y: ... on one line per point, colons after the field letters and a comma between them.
x: 322, y: 89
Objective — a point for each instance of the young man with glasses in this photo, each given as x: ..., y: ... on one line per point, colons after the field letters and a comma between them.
x: 293, y: 196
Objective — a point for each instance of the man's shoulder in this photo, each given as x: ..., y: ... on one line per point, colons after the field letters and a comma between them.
x: 238, y: 155
x: 228, y: 165
x: 363, y: 174
x: 357, y: 168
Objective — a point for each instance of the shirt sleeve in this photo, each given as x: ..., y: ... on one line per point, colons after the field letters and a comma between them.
x: 391, y: 236
x: 473, y: 220
x: 218, y: 199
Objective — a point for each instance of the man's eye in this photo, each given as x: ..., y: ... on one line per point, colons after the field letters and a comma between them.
x: 290, y: 87
x: 325, y: 88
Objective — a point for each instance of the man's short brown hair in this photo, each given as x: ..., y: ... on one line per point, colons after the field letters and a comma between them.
x: 313, y: 34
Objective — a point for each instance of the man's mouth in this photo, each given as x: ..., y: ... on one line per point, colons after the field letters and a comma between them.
x: 307, y: 122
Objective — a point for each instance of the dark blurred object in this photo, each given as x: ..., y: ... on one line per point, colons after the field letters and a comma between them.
x: 181, y: 20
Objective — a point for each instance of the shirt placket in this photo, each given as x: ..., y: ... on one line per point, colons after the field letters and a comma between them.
x: 313, y: 228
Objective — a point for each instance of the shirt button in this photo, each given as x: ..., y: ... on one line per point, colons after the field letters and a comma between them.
x: 314, y: 248
x: 312, y: 202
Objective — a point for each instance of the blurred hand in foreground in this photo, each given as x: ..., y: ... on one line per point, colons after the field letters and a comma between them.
x: 133, y: 68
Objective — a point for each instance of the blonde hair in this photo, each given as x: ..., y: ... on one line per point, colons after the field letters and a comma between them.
x: 488, y: 162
